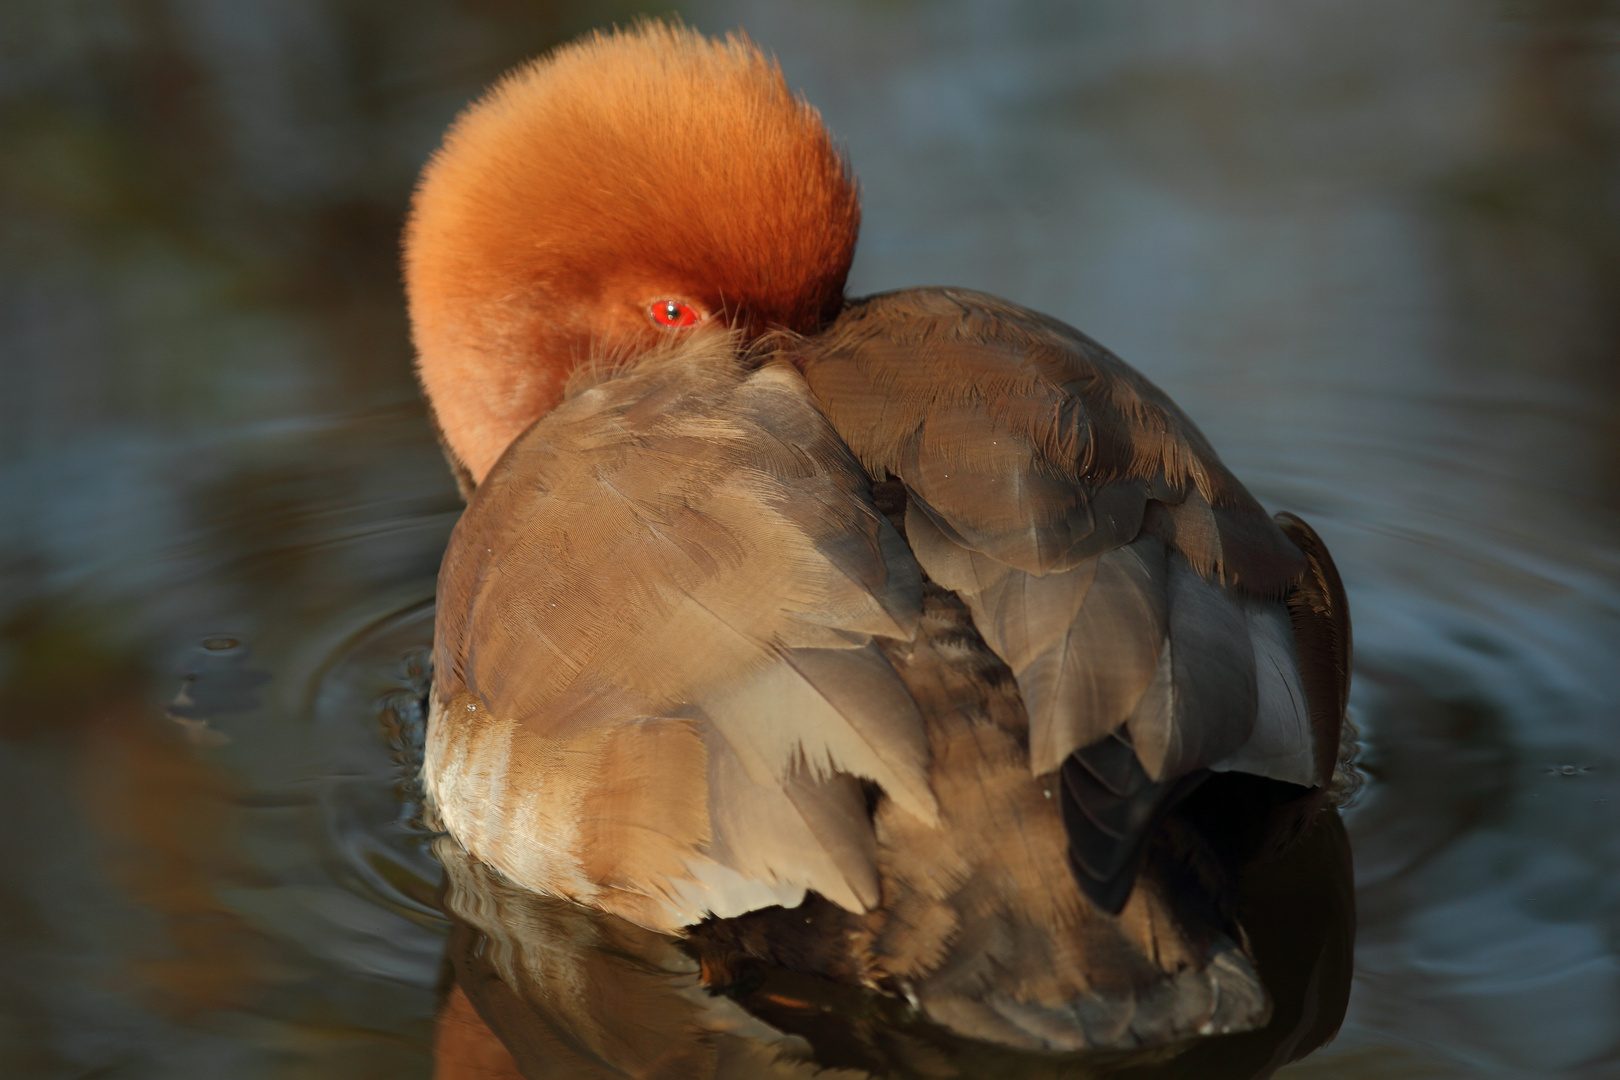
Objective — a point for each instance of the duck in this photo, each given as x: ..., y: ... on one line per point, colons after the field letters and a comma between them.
x: 914, y: 642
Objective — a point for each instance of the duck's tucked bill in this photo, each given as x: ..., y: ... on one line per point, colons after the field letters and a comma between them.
x: 915, y: 643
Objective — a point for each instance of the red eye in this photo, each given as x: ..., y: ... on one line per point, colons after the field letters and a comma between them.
x: 673, y: 314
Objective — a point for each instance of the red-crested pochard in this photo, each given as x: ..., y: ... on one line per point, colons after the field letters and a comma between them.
x: 915, y: 641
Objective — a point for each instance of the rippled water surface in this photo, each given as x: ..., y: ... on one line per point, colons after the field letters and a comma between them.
x: 1373, y: 248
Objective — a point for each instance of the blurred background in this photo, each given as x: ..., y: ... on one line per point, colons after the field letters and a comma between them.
x: 1372, y: 247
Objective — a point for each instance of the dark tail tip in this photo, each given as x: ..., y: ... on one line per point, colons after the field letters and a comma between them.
x: 1111, y: 810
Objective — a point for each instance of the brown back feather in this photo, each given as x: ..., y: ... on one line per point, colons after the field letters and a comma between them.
x: 1031, y: 442
x: 1108, y: 557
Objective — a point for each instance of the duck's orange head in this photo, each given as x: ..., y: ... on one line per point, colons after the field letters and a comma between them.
x: 623, y: 188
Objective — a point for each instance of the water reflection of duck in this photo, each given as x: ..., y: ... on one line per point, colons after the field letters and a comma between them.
x: 574, y: 992
x: 826, y: 650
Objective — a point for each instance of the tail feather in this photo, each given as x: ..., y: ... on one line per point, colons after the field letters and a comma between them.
x: 1110, y: 811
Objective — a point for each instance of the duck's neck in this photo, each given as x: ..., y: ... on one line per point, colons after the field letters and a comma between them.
x: 484, y: 393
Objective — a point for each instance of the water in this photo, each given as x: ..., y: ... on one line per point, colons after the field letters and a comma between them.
x: 1370, y: 248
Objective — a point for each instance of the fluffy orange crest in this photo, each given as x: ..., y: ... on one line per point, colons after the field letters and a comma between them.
x: 623, y: 169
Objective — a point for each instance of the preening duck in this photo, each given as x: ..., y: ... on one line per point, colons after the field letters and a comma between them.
x: 913, y: 641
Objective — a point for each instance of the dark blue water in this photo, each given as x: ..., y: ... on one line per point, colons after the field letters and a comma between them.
x: 1369, y: 247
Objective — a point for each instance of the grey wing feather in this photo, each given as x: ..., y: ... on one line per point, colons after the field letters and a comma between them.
x: 822, y: 711
x: 1201, y: 706
x: 1083, y: 643
x: 787, y: 831
x: 1282, y: 746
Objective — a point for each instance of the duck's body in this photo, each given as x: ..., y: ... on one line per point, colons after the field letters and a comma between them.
x: 892, y: 649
